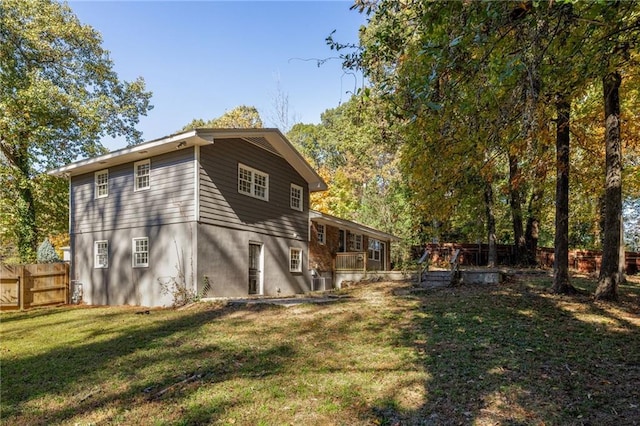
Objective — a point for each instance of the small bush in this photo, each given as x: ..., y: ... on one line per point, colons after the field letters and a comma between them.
x: 46, y: 253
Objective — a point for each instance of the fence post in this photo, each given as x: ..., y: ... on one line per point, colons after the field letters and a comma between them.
x: 21, y: 287
x: 67, y: 283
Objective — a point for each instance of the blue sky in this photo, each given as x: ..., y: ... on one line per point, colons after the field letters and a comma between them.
x: 201, y: 59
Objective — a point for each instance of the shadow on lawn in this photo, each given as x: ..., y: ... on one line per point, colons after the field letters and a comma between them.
x: 83, y: 367
x: 514, y: 354
x: 505, y: 354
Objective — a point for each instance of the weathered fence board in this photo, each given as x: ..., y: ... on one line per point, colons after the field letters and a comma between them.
x: 27, y: 286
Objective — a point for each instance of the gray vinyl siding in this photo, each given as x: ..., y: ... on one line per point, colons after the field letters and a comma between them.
x: 221, y: 204
x: 170, y: 198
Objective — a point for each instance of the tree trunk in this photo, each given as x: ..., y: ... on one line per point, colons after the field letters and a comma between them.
x: 531, y: 238
x: 561, y: 282
x: 622, y: 269
x: 491, y: 226
x: 516, y: 211
x: 609, y: 271
x: 26, y: 229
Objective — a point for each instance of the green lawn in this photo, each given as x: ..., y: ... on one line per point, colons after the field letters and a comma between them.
x: 483, y: 355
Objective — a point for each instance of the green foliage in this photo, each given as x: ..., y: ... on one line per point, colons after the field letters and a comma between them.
x: 469, y: 89
x: 241, y: 117
x: 46, y: 253
x: 354, y: 149
x: 59, y: 95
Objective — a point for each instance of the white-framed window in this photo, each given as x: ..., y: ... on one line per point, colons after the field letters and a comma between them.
x: 295, y: 259
x: 355, y: 242
x: 142, y: 175
x: 321, y: 233
x: 253, y: 183
x: 296, y: 197
x: 374, y: 249
x: 140, y: 252
x: 101, y: 179
x: 101, y: 254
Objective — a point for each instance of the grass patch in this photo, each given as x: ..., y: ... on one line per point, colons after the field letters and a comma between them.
x: 504, y: 354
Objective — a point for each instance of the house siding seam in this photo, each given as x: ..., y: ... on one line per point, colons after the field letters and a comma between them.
x: 222, y: 205
x: 170, y: 199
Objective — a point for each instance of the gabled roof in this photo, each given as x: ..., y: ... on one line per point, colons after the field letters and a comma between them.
x: 327, y: 219
x: 271, y: 140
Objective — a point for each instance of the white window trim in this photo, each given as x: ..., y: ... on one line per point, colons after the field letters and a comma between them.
x: 300, y: 207
x: 252, y: 192
x: 96, y: 186
x: 96, y: 263
x: 322, y: 236
x: 291, y: 251
x: 134, y: 252
x: 136, y: 188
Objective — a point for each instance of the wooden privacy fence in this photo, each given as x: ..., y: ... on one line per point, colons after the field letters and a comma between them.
x: 586, y: 261
x: 30, y: 286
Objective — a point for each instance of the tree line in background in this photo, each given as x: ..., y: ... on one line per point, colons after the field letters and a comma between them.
x: 499, y: 108
x: 480, y: 122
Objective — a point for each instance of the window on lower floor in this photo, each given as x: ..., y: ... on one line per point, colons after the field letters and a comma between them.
x: 374, y: 249
x: 140, y: 252
x: 355, y: 242
x: 321, y: 233
x: 101, y: 254
x: 295, y: 260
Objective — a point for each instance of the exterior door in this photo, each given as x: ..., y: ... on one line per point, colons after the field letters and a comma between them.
x: 255, y: 268
x: 342, y: 240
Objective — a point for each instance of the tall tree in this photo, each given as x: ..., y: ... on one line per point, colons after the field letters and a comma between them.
x: 469, y: 81
x: 609, y: 270
x: 561, y: 282
x: 240, y: 117
x: 621, y: 38
x: 59, y: 95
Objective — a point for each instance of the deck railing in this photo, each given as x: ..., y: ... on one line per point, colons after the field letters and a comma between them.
x: 351, y: 261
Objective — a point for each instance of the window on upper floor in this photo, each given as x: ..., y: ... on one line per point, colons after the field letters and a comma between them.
x: 321, y: 233
x: 101, y: 254
x: 295, y: 260
x: 101, y: 183
x: 142, y: 175
x: 140, y: 252
x: 296, y: 197
x: 253, y: 183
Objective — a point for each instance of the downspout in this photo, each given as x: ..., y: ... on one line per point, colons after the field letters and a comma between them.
x: 196, y: 217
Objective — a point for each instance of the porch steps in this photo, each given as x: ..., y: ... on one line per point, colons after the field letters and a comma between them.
x: 436, y: 279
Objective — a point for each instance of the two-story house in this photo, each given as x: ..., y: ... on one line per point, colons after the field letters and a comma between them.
x: 218, y: 212
x: 221, y: 212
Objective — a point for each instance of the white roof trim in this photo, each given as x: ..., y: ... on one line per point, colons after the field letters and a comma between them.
x: 324, y: 218
x: 192, y: 138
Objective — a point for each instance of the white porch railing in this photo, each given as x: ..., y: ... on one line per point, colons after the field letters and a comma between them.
x: 351, y: 261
